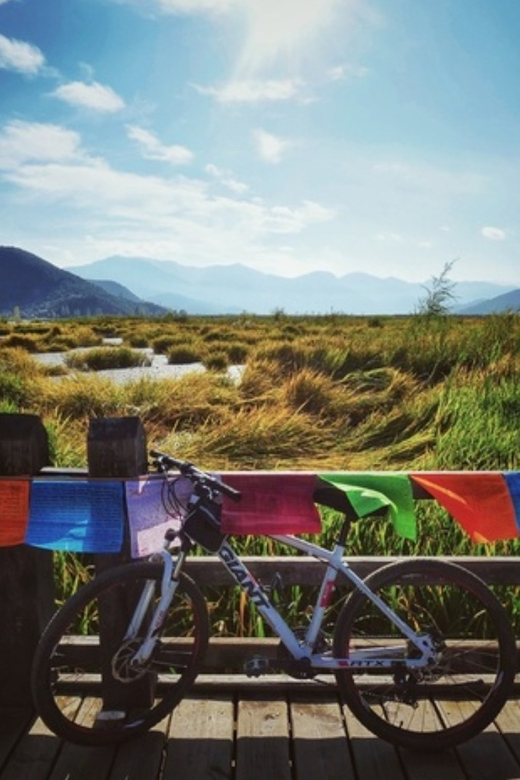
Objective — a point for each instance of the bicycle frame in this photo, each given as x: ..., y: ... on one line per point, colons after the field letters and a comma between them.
x: 359, y: 660
x: 364, y: 659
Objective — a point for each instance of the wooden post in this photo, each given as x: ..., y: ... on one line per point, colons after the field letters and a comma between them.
x: 26, y: 573
x: 117, y: 449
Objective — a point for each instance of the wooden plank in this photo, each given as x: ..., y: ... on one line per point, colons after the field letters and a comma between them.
x: 33, y: 756
x: 142, y: 758
x: 270, y: 684
x: 84, y: 763
x: 432, y: 765
x: 200, y: 743
x: 508, y: 721
x: 208, y: 571
x: 373, y: 758
x: 13, y: 723
x: 263, y: 740
x: 320, y: 746
x: 423, y: 716
x: 486, y: 756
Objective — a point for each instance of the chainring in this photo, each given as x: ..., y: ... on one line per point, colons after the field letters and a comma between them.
x: 301, y: 669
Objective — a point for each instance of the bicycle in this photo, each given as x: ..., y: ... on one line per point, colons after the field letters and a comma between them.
x: 405, y: 662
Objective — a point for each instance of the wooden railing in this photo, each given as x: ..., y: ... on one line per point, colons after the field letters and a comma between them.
x: 117, y: 448
x: 231, y: 652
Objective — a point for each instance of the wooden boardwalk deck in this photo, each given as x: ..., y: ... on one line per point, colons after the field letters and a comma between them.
x: 250, y: 733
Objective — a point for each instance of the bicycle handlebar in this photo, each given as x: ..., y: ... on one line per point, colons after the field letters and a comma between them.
x: 187, y: 469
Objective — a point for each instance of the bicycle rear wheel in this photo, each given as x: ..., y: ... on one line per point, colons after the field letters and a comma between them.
x: 84, y: 687
x: 452, y: 701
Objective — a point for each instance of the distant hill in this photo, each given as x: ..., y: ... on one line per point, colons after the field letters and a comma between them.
x: 118, y: 285
x: 116, y: 290
x: 220, y: 289
x: 39, y: 289
x: 509, y: 301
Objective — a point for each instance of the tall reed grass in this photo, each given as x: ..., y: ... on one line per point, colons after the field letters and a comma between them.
x: 317, y: 393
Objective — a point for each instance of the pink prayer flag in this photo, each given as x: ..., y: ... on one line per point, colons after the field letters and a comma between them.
x: 272, y: 503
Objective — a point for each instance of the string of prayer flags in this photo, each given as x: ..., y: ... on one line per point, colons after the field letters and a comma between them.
x: 154, y: 506
x: 76, y: 515
x: 370, y: 493
x: 89, y: 515
x: 14, y: 511
x: 271, y: 504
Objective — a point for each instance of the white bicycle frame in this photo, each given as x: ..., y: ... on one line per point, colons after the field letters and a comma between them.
x: 364, y: 659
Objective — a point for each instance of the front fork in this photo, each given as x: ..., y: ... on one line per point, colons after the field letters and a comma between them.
x: 169, y: 583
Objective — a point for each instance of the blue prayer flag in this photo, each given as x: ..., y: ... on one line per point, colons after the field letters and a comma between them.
x: 76, y: 515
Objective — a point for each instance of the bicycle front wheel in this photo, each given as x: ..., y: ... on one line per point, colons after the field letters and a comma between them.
x: 84, y: 685
x: 456, y: 698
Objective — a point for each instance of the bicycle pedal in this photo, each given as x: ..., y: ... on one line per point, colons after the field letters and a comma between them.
x: 256, y: 666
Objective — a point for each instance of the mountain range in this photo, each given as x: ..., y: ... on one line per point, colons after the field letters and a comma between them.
x: 237, y: 288
x: 139, y: 285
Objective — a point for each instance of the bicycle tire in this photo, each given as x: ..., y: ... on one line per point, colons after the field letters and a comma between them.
x: 425, y: 711
x: 78, y: 686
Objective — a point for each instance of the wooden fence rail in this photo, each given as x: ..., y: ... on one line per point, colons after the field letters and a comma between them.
x: 302, y: 570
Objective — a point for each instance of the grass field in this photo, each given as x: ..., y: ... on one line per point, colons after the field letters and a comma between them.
x: 317, y: 393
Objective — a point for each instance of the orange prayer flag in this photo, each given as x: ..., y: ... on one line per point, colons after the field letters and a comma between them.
x: 479, y: 501
x: 14, y: 511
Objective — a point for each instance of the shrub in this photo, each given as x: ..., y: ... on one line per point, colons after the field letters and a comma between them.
x: 163, y: 344
x: 22, y: 341
x: 216, y: 361
x: 103, y: 358
x: 238, y: 353
x: 82, y: 396
x: 183, y: 355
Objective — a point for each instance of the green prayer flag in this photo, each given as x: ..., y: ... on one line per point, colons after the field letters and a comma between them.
x: 369, y: 492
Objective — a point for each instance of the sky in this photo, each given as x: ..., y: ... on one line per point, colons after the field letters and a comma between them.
x: 380, y: 136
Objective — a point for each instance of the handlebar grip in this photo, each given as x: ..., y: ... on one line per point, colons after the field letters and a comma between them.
x: 168, y: 459
x: 189, y: 470
x: 234, y: 495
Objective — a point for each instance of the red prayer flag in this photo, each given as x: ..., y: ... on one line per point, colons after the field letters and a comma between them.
x: 479, y: 501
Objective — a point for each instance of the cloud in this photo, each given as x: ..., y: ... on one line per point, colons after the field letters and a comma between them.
x: 270, y: 148
x: 347, y: 71
x: 172, y: 215
x: 389, y: 237
x: 21, y: 142
x: 95, y: 96
x: 225, y: 178
x: 281, y: 29
x: 254, y: 90
x: 153, y: 149
x: 20, y: 56
x: 493, y: 233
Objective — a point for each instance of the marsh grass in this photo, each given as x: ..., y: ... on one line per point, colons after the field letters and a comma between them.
x: 184, y: 354
x: 317, y: 393
x: 103, y: 358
